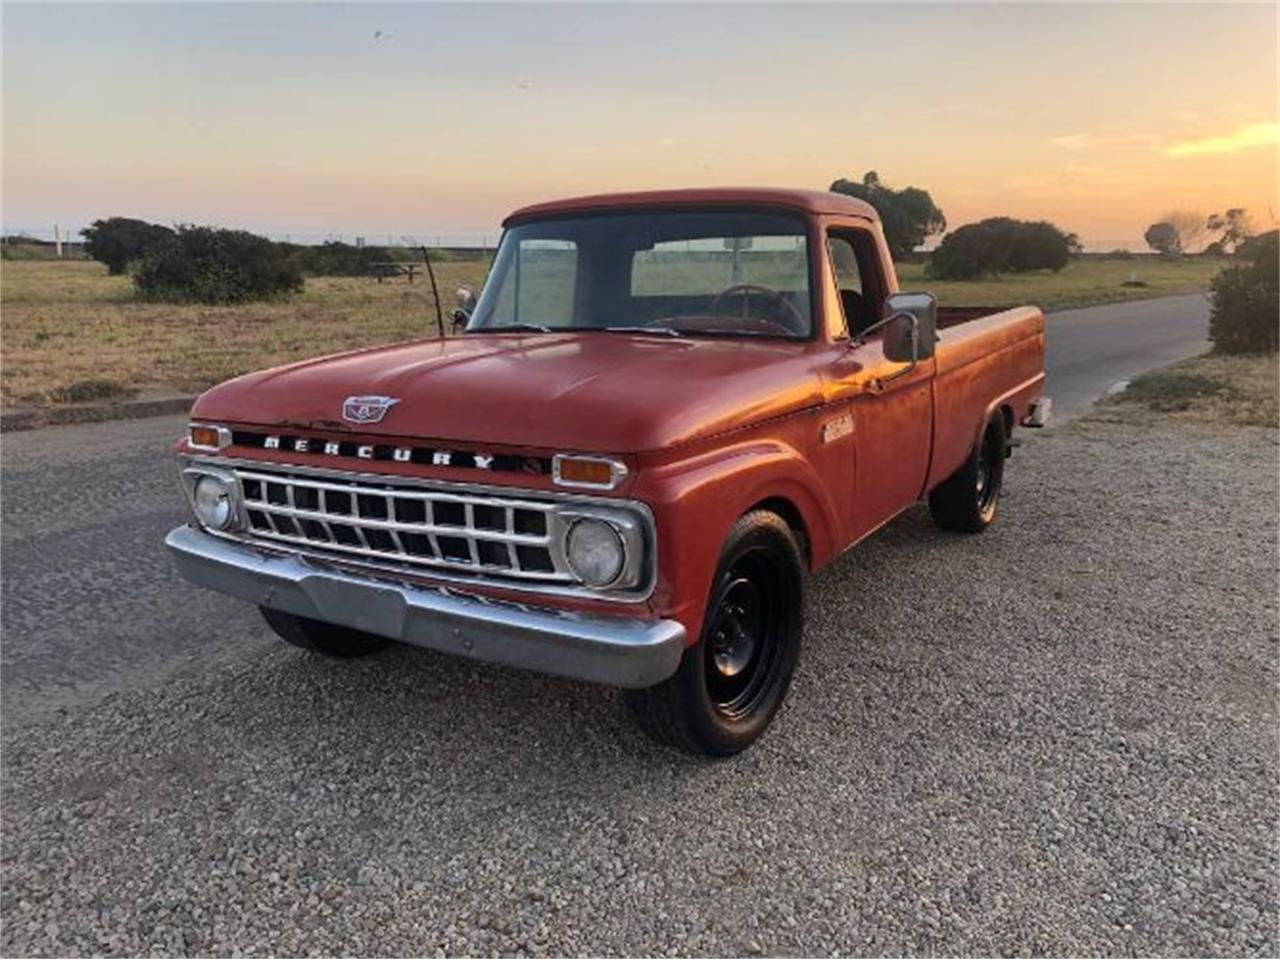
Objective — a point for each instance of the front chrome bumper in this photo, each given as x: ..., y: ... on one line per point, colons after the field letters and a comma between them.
x: 620, y: 651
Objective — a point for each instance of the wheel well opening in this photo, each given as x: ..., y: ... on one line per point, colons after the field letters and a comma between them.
x: 1006, y: 412
x: 788, y: 512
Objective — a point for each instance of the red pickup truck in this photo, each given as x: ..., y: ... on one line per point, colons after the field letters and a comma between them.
x: 666, y: 408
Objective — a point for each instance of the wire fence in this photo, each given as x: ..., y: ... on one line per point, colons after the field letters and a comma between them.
x: 462, y: 241
x: 445, y: 240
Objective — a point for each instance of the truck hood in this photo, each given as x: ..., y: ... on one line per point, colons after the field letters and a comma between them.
x: 576, y: 392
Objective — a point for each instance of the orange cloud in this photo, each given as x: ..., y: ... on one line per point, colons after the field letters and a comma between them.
x: 1254, y: 135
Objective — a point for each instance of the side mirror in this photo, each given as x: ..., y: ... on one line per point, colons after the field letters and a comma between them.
x: 910, y: 327
x: 466, y: 299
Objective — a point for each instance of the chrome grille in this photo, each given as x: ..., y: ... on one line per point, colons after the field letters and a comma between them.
x: 479, y: 533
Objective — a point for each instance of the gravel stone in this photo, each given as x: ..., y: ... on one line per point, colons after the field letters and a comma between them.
x: 1059, y: 737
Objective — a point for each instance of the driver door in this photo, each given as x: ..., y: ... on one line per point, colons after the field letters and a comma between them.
x: 892, y: 415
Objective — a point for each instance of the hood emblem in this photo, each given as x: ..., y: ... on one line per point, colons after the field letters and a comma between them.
x: 369, y: 409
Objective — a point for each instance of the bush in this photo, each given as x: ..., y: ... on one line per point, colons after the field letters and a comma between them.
x: 119, y: 241
x: 1246, y: 299
x: 999, y: 245
x: 208, y: 265
x: 335, y: 259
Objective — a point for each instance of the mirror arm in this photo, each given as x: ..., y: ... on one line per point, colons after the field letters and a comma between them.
x: 861, y: 338
x: 878, y: 384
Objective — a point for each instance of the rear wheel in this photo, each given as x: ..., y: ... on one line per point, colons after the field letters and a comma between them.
x: 733, y: 680
x: 966, y: 501
x: 327, y: 638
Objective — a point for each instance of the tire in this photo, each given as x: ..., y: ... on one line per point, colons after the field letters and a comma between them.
x: 326, y: 638
x: 966, y: 501
x: 730, y: 684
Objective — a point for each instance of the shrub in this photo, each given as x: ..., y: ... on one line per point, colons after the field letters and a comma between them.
x: 335, y: 259
x: 119, y: 241
x: 208, y: 265
x: 1246, y: 299
x: 999, y: 245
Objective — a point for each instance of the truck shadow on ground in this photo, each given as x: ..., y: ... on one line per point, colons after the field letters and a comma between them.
x: 485, y: 717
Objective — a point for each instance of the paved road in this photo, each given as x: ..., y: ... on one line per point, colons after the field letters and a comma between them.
x: 90, y: 601
x: 1089, y: 350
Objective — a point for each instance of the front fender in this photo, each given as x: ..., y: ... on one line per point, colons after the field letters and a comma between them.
x: 696, y: 501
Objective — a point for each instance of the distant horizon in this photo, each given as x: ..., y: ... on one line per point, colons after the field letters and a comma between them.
x: 428, y: 120
x: 471, y: 240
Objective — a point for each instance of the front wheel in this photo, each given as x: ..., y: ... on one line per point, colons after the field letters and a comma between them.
x: 733, y: 680
x: 327, y: 638
x: 966, y: 501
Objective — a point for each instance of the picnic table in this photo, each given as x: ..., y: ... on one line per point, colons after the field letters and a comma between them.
x: 383, y: 269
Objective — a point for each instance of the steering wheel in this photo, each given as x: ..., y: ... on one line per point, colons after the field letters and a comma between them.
x: 745, y: 290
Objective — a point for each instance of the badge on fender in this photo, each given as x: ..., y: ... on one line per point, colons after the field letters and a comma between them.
x: 833, y: 430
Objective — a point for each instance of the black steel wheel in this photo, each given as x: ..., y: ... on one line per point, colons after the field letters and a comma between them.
x: 733, y: 680
x: 966, y: 501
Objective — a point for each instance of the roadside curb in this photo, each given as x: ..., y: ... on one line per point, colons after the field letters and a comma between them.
x: 34, y: 418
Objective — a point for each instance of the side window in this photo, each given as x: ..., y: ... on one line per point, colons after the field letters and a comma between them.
x: 844, y: 261
x: 539, y: 286
x: 853, y: 261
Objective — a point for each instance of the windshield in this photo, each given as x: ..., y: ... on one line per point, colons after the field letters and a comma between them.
x: 714, y: 273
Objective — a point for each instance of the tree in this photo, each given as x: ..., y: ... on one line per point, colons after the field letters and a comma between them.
x: 1246, y: 298
x: 909, y: 216
x: 1234, y: 228
x: 208, y: 265
x: 1074, y: 246
x: 999, y: 245
x: 1190, y: 227
x: 118, y: 241
x: 1163, y: 239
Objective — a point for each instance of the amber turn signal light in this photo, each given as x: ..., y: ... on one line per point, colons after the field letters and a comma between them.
x: 208, y: 438
x: 598, y: 472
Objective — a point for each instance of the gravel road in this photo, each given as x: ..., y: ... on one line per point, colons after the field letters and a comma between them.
x: 1059, y: 737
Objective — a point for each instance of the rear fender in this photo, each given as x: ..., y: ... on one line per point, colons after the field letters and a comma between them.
x: 1018, y: 400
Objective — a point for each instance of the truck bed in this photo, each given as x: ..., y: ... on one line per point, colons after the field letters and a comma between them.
x: 985, y: 361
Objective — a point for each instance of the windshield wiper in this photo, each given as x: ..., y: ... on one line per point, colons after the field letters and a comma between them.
x: 650, y: 331
x: 703, y: 332
x: 512, y: 327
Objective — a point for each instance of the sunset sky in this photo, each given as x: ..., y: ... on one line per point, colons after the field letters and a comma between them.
x: 438, y: 119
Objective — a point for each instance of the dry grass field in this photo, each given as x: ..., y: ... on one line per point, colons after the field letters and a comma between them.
x: 70, y: 333
x: 1081, y: 283
x: 1213, y: 388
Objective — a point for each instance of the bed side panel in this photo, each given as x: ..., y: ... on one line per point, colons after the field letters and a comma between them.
x: 983, y: 364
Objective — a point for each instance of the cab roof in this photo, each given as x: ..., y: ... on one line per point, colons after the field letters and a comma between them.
x: 803, y: 201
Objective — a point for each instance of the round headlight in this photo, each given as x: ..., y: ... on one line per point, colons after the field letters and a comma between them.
x: 594, y: 551
x: 212, y: 500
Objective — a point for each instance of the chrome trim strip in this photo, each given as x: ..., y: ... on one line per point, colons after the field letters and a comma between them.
x: 620, y: 651
x: 395, y: 479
